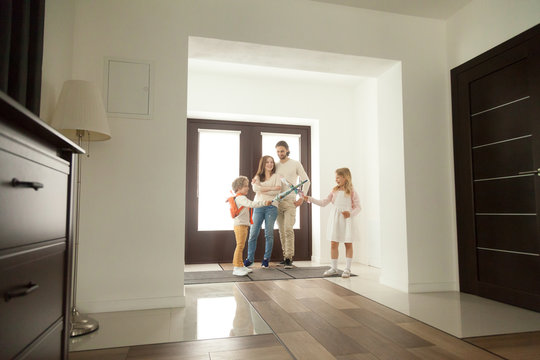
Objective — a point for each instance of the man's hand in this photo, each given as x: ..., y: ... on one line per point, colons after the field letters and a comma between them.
x: 299, y: 202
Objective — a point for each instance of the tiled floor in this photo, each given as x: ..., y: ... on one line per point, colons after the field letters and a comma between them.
x: 211, y: 311
x: 220, y: 310
x: 459, y: 314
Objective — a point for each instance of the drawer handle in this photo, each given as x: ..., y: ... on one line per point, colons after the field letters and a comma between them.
x: 27, y: 184
x: 22, y: 291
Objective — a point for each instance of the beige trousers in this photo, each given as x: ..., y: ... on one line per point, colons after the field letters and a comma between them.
x: 285, y: 219
x: 240, y: 232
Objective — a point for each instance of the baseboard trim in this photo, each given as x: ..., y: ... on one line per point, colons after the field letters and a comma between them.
x: 130, y: 304
x: 433, y: 287
x: 401, y: 286
x: 420, y: 287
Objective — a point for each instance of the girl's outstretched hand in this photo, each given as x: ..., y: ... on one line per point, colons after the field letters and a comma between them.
x: 346, y: 214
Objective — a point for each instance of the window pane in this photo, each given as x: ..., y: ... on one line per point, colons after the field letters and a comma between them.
x: 269, y: 141
x: 218, y: 166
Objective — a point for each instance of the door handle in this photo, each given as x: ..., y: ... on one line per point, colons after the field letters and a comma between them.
x: 22, y: 291
x: 537, y: 172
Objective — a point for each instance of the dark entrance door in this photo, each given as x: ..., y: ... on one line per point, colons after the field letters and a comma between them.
x: 496, y: 115
x: 208, y: 244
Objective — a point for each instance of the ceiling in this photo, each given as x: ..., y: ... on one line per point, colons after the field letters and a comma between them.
x: 260, y: 56
x: 254, y: 57
x: 435, y: 9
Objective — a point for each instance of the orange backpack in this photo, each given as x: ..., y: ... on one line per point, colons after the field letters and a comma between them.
x: 235, y: 211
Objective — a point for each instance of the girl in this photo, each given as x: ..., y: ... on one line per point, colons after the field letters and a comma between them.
x: 340, y: 225
x: 266, y: 185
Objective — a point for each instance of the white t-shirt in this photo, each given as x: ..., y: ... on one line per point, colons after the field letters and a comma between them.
x: 291, y: 170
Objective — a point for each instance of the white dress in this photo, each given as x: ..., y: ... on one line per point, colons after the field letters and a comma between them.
x: 340, y: 229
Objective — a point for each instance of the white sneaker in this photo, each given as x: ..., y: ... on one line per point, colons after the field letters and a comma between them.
x: 247, y: 269
x: 346, y: 273
x: 330, y: 272
x: 239, y: 271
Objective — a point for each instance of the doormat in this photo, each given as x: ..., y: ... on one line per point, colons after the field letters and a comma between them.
x: 273, y: 273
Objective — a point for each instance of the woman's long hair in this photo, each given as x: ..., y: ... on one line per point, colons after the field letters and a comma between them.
x: 260, y: 171
x: 348, y: 186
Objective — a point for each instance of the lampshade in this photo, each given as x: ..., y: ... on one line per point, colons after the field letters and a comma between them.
x: 80, y: 107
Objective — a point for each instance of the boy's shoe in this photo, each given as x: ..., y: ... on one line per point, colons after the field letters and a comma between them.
x: 346, y: 273
x: 239, y: 271
x: 282, y: 262
x: 247, y: 269
x: 247, y: 263
x: 288, y: 264
x: 330, y: 272
x: 264, y: 264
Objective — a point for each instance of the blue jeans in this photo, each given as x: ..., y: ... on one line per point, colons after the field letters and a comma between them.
x: 268, y: 214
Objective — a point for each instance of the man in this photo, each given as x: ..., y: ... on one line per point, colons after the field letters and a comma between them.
x: 289, y: 170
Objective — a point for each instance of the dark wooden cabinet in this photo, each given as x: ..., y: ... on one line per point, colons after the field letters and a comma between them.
x: 35, y: 235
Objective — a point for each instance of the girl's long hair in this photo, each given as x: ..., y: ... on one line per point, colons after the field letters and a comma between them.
x: 348, y: 186
x: 260, y: 171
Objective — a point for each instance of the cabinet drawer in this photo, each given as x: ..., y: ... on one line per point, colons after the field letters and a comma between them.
x: 40, y: 271
x: 30, y: 215
x: 47, y: 347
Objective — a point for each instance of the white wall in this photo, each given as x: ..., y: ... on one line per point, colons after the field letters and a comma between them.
x: 132, y: 204
x: 328, y: 104
x: 394, y: 249
x: 132, y: 233
x: 365, y: 126
x: 484, y: 24
x: 57, y: 52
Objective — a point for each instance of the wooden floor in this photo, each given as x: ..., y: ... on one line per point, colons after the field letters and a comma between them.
x: 523, y: 346
x: 316, y: 319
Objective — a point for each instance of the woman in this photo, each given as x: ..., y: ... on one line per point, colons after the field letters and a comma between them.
x: 266, y: 185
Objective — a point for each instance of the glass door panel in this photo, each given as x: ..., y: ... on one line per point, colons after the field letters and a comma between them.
x: 269, y: 141
x: 218, y: 152
x: 218, y: 165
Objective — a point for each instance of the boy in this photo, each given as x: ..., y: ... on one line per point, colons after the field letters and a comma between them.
x: 240, y: 186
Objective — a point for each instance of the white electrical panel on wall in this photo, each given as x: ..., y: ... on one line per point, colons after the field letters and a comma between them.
x: 128, y: 88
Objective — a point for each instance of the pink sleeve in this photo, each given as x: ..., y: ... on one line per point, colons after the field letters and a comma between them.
x: 355, y: 200
x: 323, y: 202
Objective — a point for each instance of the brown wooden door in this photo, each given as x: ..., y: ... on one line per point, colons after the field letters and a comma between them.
x: 218, y: 246
x: 496, y: 112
